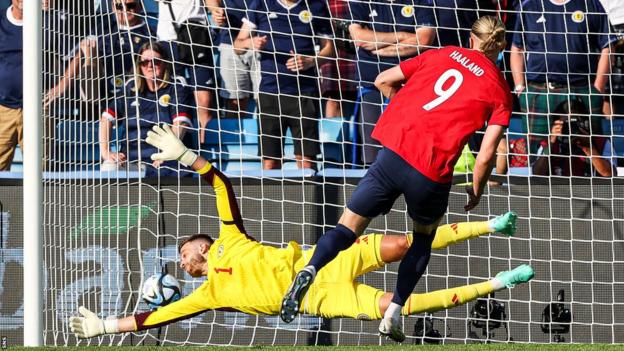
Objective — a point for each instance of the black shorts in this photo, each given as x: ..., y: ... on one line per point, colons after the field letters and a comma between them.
x: 388, y: 178
x: 201, y: 78
x: 277, y: 114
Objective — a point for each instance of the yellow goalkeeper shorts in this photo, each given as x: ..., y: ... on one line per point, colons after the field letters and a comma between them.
x: 335, y: 293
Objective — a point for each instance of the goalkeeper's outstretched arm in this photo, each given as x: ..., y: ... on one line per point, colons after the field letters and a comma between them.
x: 173, y: 149
x: 88, y: 324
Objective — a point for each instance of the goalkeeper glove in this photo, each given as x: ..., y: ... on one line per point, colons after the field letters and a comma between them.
x: 89, y: 325
x: 170, y: 145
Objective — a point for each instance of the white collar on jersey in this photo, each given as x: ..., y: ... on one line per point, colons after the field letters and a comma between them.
x: 286, y: 6
x: 559, y: 3
x: 133, y: 27
x: 13, y: 20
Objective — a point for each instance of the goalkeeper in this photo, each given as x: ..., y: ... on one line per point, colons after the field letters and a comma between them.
x: 246, y: 276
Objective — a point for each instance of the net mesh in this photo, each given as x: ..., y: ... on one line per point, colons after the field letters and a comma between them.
x: 107, y: 228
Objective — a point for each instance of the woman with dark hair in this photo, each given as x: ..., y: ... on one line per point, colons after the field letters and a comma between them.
x: 572, y: 150
x: 154, y: 96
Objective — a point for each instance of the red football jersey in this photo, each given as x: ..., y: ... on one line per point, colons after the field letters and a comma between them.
x: 449, y: 94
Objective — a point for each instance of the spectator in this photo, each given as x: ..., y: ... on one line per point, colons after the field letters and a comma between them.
x: 572, y: 150
x: 615, y: 99
x: 63, y: 26
x: 615, y: 11
x: 11, y: 114
x: 240, y: 74
x: 568, y: 43
x: 386, y: 33
x: 286, y: 33
x: 153, y: 96
x: 61, y: 30
x: 454, y: 18
x: 338, y: 78
x: 104, y: 61
x: 185, y: 22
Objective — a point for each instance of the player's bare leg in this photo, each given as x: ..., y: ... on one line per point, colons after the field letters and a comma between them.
x: 393, y: 247
x: 304, y: 162
x: 271, y: 163
x: 354, y: 221
x: 350, y: 226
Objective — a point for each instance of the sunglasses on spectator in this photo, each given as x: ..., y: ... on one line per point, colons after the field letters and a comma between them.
x: 145, y: 63
x: 128, y: 6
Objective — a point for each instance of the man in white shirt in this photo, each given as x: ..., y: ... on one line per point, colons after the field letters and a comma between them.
x: 615, y: 11
x: 179, y: 21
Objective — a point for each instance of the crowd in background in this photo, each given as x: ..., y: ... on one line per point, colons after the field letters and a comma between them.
x: 130, y: 64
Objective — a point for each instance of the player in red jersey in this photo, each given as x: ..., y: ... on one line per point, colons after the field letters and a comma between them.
x: 439, y: 99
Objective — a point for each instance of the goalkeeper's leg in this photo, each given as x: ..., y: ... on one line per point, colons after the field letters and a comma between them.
x: 450, y: 234
x: 449, y: 298
x: 394, y: 247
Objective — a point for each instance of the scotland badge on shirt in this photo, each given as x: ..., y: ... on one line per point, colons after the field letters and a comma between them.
x: 117, y: 82
x: 578, y: 16
x: 164, y: 100
x: 407, y: 11
x: 305, y: 16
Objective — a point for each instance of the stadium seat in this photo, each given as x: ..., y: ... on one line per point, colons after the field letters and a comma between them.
x: 18, y: 157
x: 334, y: 139
x: 516, y: 125
x: 232, y: 143
x: 353, y: 127
x: 77, y: 141
x: 272, y: 173
x: 341, y: 173
x: 615, y: 127
x: 232, y: 131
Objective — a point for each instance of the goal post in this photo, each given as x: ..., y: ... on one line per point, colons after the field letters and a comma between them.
x: 106, y: 230
x: 33, y: 181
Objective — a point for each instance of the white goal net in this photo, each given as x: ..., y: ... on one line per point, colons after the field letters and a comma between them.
x: 108, y: 227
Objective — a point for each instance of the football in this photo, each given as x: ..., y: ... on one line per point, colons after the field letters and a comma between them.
x: 160, y: 290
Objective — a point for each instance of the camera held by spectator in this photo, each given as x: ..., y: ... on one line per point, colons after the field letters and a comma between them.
x: 572, y: 150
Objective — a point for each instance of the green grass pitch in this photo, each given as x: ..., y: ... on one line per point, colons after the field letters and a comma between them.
x: 471, y: 347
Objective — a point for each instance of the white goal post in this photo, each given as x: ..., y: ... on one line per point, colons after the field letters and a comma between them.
x: 91, y: 236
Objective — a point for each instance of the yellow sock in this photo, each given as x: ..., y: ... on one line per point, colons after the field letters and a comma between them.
x: 450, y: 234
x: 447, y: 298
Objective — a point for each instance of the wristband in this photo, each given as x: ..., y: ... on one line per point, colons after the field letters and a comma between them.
x: 111, y: 326
x: 518, y: 88
x: 187, y: 158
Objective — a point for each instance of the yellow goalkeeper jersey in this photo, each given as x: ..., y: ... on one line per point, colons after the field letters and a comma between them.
x: 243, y: 275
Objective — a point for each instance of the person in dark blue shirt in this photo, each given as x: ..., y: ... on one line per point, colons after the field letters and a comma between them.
x: 11, y: 116
x: 105, y: 58
x: 454, y: 18
x: 567, y: 43
x: 64, y: 25
x: 154, y: 96
x: 615, y: 99
x: 386, y: 32
x: 286, y: 33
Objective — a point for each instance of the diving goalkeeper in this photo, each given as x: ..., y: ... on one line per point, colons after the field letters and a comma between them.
x: 246, y: 276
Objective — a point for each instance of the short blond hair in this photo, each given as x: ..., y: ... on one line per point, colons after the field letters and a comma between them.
x: 491, y: 31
